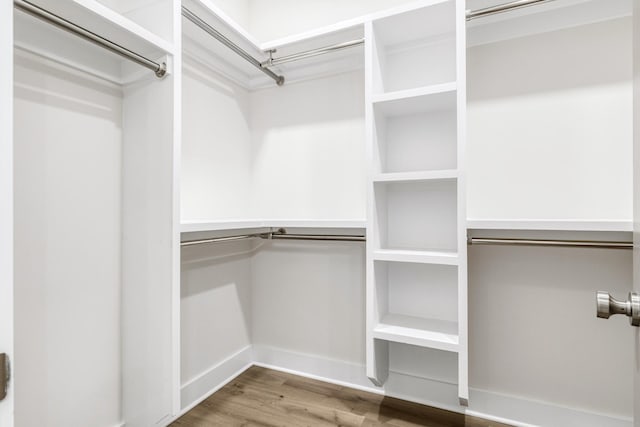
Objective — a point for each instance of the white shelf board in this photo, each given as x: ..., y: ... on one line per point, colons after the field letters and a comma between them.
x: 440, y: 97
x: 550, y: 225
x: 230, y: 23
x: 346, y: 25
x: 540, y: 18
x: 316, y: 223
x: 69, y: 51
x: 199, y: 226
x: 433, y: 20
x: 417, y: 256
x: 430, y: 333
x: 436, y: 175
x: 109, y: 24
x: 219, y: 225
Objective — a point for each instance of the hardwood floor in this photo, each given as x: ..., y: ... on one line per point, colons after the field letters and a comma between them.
x: 263, y: 397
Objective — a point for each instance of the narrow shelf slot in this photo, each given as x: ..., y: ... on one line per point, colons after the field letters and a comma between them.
x: 422, y: 332
x: 418, y: 133
x: 416, y: 48
x: 417, y: 216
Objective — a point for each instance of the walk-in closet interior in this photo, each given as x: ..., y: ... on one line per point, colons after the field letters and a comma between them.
x: 418, y: 198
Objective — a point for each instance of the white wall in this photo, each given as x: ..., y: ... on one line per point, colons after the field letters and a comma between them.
x: 67, y: 248
x: 309, y: 298
x: 216, y: 310
x: 216, y: 148
x: 308, y: 149
x: 273, y: 19
x: 533, y: 330
x: 549, y: 125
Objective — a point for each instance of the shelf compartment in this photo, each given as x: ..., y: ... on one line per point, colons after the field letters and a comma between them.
x: 417, y: 304
x: 429, y: 333
x: 420, y: 257
x: 416, y: 216
x: 417, y: 132
x: 416, y: 48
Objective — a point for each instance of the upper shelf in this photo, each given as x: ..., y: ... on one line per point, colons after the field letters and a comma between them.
x: 426, y: 26
x: 31, y: 34
x: 551, y: 225
x: 203, y: 226
x: 540, y: 18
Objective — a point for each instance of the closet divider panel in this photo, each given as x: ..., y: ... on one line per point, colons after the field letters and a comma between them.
x: 148, y: 253
x: 416, y: 253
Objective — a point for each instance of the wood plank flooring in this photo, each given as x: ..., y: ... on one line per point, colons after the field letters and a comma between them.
x: 263, y: 397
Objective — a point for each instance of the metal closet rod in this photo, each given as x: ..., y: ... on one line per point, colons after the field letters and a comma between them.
x: 501, y: 8
x: 231, y: 45
x: 310, y: 53
x: 550, y: 242
x: 159, y: 69
x: 277, y: 235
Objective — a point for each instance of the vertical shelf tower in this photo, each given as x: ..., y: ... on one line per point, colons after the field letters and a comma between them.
x: 416, y: 250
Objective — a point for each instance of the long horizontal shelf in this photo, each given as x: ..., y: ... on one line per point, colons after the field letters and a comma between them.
x: 550, y: 225
x: 437, y: 175
x: 430, y: 333
x: 203, y: 226
x: 328, y: 30
x: 541, y: 18
x: 419, y: 257
x: 440, y: 97
x: 95, y: 16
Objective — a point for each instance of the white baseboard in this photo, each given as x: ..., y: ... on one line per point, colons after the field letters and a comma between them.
x: 204, y: 385
x: 310, y: 366
x: 492, y: 406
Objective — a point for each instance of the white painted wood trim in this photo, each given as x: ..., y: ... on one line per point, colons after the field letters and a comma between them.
x: 6, y: 201
x: 175, y: 240
x: 550, y: 224
x: 491, y: 406
x: 197, y: 389
x: 421, y: 257
x: 437, y: 175
x: 200, y: 226
x: 344, y: 25
x: 414, y: 93
x: 463, y: 306
x: 127, y: 25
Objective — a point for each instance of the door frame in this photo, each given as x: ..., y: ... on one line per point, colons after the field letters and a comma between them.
x: 6, y: 197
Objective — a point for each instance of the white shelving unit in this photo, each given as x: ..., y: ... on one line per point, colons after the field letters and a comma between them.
x: 416, y: 252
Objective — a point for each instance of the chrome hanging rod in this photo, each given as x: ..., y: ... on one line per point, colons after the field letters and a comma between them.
x: 231, y: 45
x: 310, y: 53
x: 501, y: 8
x: 280, y: 234
x: 159, y: 69
x: 545, y: 242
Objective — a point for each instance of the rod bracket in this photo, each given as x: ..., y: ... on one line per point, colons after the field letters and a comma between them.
x: 162, y: 70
